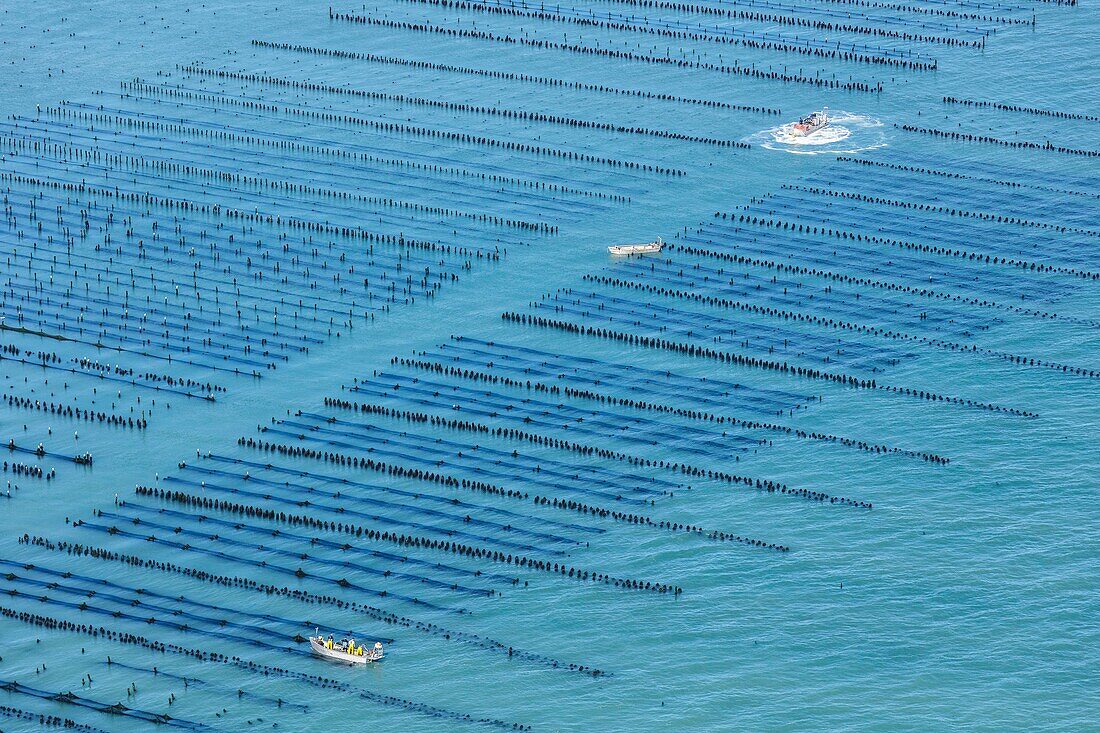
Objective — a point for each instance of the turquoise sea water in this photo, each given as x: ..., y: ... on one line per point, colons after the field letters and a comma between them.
x: 964, y: 599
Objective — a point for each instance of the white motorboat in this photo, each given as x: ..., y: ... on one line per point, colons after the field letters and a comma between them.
x: 637, y: 249
x: 811, y: 123
x: 345, y: 650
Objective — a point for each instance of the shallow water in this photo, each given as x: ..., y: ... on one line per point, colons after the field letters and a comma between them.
x: 965, y: 598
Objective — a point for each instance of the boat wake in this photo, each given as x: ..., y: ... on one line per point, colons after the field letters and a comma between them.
x: 846, y: 133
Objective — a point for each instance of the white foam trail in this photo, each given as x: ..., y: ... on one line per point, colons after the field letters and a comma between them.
x: 857, y: 133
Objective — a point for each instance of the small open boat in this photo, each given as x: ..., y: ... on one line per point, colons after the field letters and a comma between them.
x: 637, y: 249
x: 345, y: 650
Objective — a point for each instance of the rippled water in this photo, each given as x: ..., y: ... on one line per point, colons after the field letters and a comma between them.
x: 965, y: 599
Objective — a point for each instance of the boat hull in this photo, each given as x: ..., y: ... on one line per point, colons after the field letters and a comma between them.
x: 808, y: 129
x: 635, y: 249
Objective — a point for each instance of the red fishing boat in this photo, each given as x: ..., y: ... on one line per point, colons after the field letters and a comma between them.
x: 811, y: 123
